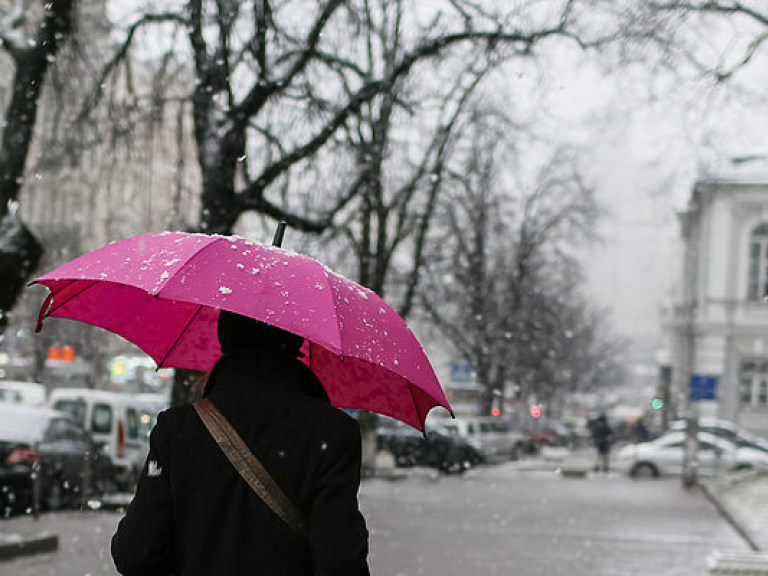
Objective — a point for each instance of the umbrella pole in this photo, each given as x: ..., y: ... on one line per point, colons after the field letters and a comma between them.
x: 279, y: 233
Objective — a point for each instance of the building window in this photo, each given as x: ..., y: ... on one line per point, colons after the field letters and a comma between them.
x: 753, y: 389
x: 758, y: 263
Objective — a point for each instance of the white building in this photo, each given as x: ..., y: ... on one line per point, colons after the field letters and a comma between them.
x: 718, y: 328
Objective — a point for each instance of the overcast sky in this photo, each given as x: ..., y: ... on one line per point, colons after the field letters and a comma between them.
x: 643, y: 157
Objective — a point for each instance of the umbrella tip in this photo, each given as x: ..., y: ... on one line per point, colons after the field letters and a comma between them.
x: 279, y: 233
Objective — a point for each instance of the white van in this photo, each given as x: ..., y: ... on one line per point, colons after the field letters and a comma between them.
x: 493, y: 437
x: 121, y: 421
x: 27, y: 393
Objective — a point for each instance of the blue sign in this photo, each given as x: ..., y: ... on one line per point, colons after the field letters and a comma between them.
x: 703, y: 387
x: 461, y: 372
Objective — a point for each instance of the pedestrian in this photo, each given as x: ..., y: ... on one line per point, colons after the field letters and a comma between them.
x: 602, y: 437
x: 193, y: 513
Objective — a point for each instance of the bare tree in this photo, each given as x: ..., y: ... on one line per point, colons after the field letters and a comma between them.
x: 271, y: 90
x: 396, y: 185
x: 273, y: 94
x: 560, y: 344
x: 500, y: 276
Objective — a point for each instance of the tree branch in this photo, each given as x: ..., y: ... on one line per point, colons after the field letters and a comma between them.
x: 441, y: 140
x: 456, y: 336
x: 122, y: 52
x: 712, y: 6
x: 10, y: 38
x: 723, y: 75
x: 273, y: 171
x: 525, y: 43
x: 262, y: 91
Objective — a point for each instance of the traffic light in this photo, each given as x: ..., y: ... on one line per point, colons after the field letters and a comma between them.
x: 535, y: 411
x: 657, y: 403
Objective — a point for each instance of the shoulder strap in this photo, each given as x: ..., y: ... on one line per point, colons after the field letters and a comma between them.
x: 249, y: 467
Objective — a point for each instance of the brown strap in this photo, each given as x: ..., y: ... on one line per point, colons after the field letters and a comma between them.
x: 249, y: 466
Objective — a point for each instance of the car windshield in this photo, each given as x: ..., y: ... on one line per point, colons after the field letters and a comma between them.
x: 75, y: 408
x: 63, y: 429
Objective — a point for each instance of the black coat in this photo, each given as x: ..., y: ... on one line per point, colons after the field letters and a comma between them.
x: 193, y: 513
x: 602, y: 435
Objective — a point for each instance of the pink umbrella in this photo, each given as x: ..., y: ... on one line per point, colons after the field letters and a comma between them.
x: 163, y: 292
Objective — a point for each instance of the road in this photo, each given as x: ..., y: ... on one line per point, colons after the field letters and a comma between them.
x: 495, y: 520
x: 498, y: 522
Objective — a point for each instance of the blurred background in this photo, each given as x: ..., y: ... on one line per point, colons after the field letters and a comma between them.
x: 566, y: 199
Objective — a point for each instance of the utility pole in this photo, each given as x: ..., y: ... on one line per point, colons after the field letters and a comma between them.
x: 691, y: 455
x: 691, y: 451
x: 690, y: 233
x: 663, y: 400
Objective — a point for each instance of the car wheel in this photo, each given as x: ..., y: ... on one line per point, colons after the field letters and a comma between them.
x: 403, y: 461
x: 644, y: 470
x: 452, y: 467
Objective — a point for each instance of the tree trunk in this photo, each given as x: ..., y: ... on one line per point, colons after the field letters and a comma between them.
x: 20, y: 252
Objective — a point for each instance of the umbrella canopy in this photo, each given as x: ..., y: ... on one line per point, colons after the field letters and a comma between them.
x: 163, y: 292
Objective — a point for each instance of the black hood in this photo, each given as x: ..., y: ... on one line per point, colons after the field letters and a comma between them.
x: 237, y: 332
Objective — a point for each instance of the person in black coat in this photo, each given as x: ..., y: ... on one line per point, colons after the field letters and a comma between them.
x: 602, y: 437
x: 193, y: 514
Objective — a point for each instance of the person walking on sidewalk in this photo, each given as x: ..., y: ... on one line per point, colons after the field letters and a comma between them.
x: 193, y: 514
x: 602, y: 438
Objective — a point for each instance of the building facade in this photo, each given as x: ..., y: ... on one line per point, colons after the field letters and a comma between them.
x: 716, y: 348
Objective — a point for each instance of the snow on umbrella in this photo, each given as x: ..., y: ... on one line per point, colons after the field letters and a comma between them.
x: 163, y: 292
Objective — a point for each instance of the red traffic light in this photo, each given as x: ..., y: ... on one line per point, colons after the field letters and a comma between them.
x: 535, y: 411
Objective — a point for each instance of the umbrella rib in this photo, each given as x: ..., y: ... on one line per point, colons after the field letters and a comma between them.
x: 333, y: 303
x: 214, y: 240
x: 415, y: 406
x: 181, y: 333
x: 55, y: 307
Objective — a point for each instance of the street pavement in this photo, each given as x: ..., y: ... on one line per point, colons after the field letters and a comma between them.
x: 508, y: 519
x: 538, y: 523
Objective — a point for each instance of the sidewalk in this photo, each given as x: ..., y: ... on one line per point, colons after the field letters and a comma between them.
x: 25, y: 540
x: 23, y: 535
x: 742, y: 500
x: 744, y: 496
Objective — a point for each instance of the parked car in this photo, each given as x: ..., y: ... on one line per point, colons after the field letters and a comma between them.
x: 727, y: 430
x: 64, y: 457
x: 493, y: 437
x: 540, y: 432
x: 664, y: 456
x: 16, y: 392
x: 436, y: 449
x: 121, y: 421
